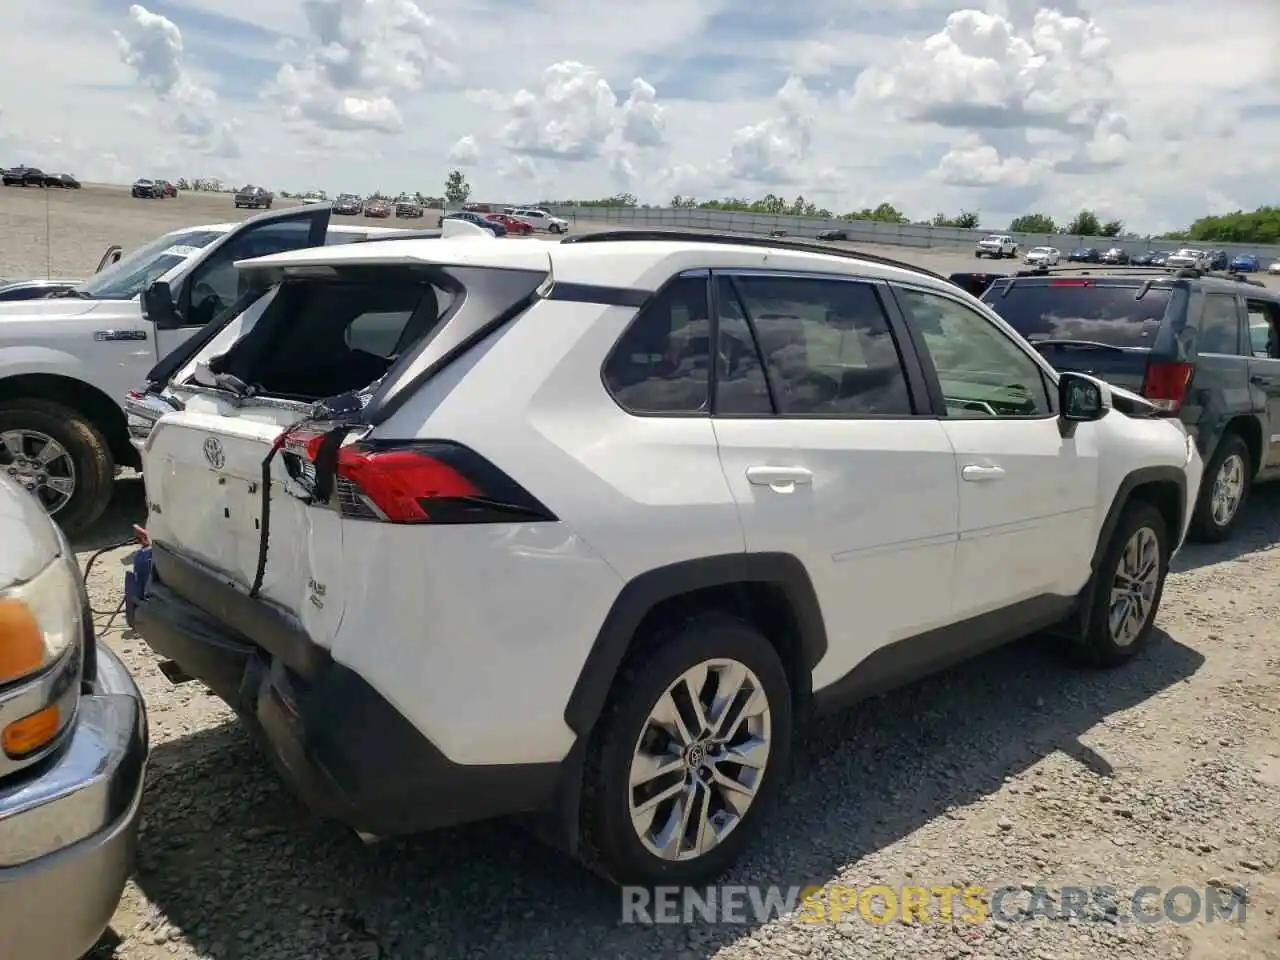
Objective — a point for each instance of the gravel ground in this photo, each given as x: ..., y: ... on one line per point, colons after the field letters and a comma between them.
x: 1014, y: 769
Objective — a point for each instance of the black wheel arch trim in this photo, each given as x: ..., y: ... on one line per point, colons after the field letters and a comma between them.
x: 647, y: 590
x: 1138, y: 478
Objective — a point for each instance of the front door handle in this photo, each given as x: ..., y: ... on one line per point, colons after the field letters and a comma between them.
x: 779, y: 479
x: 979, y: 473
x: 1261, y: 380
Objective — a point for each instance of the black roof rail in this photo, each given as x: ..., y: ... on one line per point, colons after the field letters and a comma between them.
x: 1095, y: 268
x: 745, y: 240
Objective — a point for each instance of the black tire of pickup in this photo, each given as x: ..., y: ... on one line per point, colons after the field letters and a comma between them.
x: 1204, y: 528
x: 89, y: 450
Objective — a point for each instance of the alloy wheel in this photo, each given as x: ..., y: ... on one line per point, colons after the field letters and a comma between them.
x: 1228, y: 490
x: 39, y: 464
x: 1134, y: 587
x: 700, y: 759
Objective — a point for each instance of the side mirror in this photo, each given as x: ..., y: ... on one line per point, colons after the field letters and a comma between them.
x: 1082, y: 399
x: 158, y: 306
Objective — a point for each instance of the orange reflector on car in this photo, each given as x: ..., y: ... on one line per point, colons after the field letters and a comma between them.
x: 31, y: 732
x: 21, y: 641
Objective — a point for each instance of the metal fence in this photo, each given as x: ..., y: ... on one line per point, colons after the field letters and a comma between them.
x: 870, y: 231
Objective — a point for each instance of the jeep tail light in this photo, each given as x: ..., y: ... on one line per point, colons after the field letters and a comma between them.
x: 420, y: 482
x: 1166, y: 385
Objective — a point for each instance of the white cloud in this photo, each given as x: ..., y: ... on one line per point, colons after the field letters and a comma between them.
x: 359, y: 58
x: 575, y: 115
x: 465, y: 153
x: 996, y: 105
x: 151, y: 45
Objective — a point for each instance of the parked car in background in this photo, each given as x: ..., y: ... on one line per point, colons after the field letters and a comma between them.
x: 477, y: 208
x: 75, y: 737
x: 541, y: 220
x: 377, y: 208
x: 513, y: 225
x: 1190, y: 345
x: 145, y: 189
x: 348, y: 205
x: 1218, y: 260
x: 1085, y: 255
x: 1145, y: 259
x: 526, y: 399
x: 167, y: 188
x: 1245, y: 263
x: 67, y: 362
x: 996, y: 246
x: 1274, y: 267
x: 63, y: 180
x: 1042, y: 257
x: 1161, y: 259
x: 834, y: 235
x: 310, y: 198
x: 23, y: 176
x: 1188, y: 258
x: 1115, y: 257
x: 254, y: 197
x: 470, y: 216
x: 409, y: 207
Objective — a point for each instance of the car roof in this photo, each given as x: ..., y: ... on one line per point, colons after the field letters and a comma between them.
x: 644, y: 264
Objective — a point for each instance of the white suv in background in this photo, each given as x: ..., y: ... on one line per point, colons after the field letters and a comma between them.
x: 1043, y: 257
x: 998, y: 246
x: 541, y: 220
x: 588, y: 528
x: 1188, y: 257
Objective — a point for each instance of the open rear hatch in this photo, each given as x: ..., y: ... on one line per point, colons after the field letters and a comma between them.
x: 240, y: 477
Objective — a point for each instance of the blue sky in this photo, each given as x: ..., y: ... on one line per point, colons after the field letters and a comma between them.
x: 998, y: 106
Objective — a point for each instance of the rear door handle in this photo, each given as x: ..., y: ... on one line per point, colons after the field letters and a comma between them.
x: 779, y: 479
x: 977, y: 473
x: 1262, y: 381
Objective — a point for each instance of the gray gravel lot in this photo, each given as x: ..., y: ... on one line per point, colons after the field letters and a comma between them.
x: 1014, y: 769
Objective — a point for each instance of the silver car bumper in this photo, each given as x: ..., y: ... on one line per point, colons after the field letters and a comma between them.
x: 68, y: 830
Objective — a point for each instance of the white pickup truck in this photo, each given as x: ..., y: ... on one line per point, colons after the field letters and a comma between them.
x: 997, y: 246
x: 68, y: 360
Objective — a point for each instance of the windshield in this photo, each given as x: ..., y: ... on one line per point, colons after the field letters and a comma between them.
x: 125, y: 279
x: 1104, y: 314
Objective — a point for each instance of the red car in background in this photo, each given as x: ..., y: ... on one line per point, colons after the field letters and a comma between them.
x: 514, y: 225
x: 377, y: 208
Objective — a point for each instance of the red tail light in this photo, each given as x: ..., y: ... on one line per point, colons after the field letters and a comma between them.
x: 1166, y: 385
x: 417, y: 482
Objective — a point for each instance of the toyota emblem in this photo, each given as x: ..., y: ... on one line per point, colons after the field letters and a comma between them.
x: 213, y: 453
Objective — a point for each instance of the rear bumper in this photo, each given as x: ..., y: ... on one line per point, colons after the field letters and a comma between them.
x: 68, y: 834
x: 339, y: 744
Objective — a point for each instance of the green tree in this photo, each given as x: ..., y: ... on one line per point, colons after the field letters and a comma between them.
x: 1112, y: 228
x: 1033, y: 223
x: 456, y: 188
x: 885, y: 213
x: 1255, y: 226
x: 965, y: 220
x: 1085, y: 224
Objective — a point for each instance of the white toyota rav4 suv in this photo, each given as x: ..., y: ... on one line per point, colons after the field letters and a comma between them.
x: 587, y: 528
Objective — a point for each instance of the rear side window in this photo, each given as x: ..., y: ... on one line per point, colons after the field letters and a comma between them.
x: 662, y: 363
x: 827, y: 346
x: 1262, y: 328
x: 1082, y: 310
x: 1219, y: 325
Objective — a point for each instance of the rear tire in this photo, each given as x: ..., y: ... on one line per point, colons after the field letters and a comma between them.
x: 628, y: 738
x: 1127, y: 588
x: 1224, y: 491
x: 87, y: 448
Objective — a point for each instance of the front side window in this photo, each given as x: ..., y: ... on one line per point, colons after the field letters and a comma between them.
x: 983, y: 373
x: 662, y: 363
x: 826, y: 344
x: 216, y: 284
